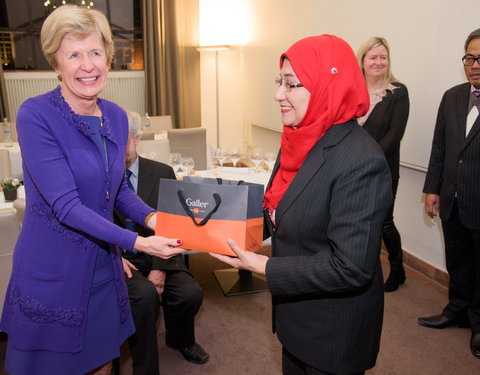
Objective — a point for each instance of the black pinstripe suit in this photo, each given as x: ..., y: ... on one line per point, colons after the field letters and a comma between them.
x: 454, y: 174
x: 324, y: 274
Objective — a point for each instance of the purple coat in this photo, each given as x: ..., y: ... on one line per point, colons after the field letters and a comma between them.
x: 69, y: 213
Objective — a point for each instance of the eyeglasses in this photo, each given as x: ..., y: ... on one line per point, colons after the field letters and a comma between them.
x: 287, y: 85
x: 470, y: 60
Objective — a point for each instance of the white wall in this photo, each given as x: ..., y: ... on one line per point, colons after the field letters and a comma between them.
x: 421, y: 236
x: 426, y: 38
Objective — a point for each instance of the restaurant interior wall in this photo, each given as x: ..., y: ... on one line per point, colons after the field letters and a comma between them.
x: 223, y: 23
x: 420, y: 35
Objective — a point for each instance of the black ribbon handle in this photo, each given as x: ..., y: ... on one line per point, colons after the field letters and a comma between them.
x: 183, y: 202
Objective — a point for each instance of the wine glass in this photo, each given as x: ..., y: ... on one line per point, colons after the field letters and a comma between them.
x: 220, y: 155
x: 187, y: 165
x: 256, y: 156
x: 270, y: 158
x: 234, y: 155
x: 175, y: 161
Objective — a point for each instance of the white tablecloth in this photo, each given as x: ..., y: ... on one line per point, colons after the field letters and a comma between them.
x: 237, y: 174
x: 15, y: 159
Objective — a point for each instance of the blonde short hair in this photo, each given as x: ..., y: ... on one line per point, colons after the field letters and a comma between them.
x: 374, y: 42
x: 135, y: 127
x: 77, y: 21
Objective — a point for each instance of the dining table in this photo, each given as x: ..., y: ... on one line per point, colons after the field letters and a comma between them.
x: 9, y: 204
x: 231, y: 280
x: 246, y: 174
x: 15, y: 158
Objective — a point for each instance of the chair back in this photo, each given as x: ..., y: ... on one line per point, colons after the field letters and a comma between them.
x: 190, y: 142
x: 9, y: 231
x: 5, y: 165
x: 148, y: 136
x: 19, y: 205
x: 158, y: 124
x: 155, y: 149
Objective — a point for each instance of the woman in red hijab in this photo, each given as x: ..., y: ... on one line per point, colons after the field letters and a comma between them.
x: 324, y: 209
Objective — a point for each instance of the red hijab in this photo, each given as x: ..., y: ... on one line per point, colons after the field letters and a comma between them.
x: 328, y: 69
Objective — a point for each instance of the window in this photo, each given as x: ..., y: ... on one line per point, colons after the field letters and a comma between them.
x: 21, y: 21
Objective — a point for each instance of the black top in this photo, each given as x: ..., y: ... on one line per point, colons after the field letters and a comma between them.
x: 387, y: 122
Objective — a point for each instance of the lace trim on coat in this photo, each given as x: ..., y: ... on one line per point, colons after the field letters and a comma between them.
x: 124, y: 304
x: 76, y: 120
x: 48, y: 217
x: 39, y: 313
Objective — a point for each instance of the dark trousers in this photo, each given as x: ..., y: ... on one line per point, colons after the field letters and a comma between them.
x: 462, y: 251
x: 181, y: 300
x: 291, y: 365
x: 391, y: 236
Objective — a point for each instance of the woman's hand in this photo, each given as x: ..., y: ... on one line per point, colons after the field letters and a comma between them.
x: 128, y: 267
x: 246, y: 259
x: 158, y: 246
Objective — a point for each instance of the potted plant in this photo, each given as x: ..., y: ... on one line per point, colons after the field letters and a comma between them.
x: 10, y: 186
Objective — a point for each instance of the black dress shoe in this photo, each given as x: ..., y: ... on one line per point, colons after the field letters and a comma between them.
x: 475, y: 344
x: 442, y: 321
x: 195, y: 354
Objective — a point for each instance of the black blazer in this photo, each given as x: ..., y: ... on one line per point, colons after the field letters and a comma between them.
x: 149, y: 174
x: 387, y: 122
x: 324, y: 274
x: 454, y: 166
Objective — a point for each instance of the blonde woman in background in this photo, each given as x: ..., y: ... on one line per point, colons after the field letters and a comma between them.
x: 385, y: 122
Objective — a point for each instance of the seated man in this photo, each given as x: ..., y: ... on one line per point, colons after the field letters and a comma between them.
x: 150, y: 277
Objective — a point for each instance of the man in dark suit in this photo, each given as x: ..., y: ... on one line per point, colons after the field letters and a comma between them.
x: 148, y: 277
x: 452, y: 188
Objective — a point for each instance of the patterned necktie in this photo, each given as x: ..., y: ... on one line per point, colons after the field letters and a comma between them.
x: 129, y: 182
x: 129, y: 224
x: 476, y: 94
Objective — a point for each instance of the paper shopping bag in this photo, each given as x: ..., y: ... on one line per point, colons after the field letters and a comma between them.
x: 204, y: 212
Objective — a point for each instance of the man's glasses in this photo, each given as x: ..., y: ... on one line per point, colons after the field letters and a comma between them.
x: 470, y: 60
x: 288, y: 86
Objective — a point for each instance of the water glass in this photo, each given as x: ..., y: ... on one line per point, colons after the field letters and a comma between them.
x: 187, y: 165
x: 235, y: 155
x: 256, y: 156
x: 175, y: 161
x: 270, y: 159
x: 220, y: 156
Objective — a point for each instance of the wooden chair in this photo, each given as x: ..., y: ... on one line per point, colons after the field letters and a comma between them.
x: 190, y: 142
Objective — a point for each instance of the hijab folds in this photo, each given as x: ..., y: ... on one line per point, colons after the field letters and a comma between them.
x: 328, y: 69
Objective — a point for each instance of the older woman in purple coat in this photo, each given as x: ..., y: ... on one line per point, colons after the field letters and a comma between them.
x: 66, y: 310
